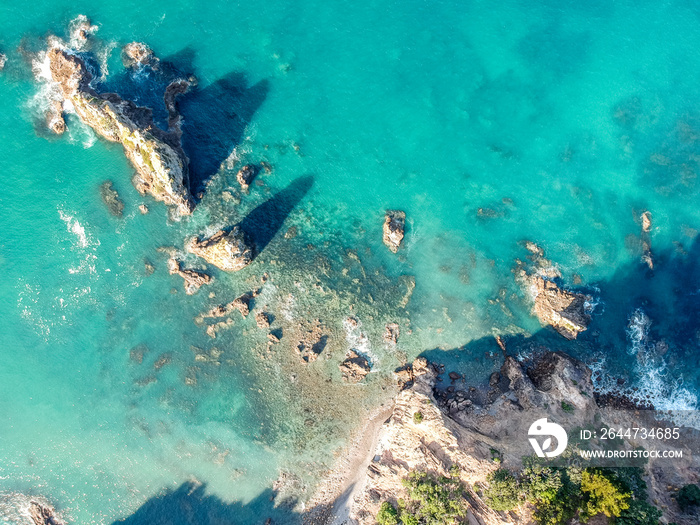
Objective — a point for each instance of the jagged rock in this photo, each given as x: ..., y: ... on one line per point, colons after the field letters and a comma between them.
x: 262, y: 320
x: 161, y: 164
x: 138, y: 54
x: 646, y: 222
x: 111, y: 198
x: 143, y: 209
x: 243, y: 304
x: 391, y: 333
x: 54, y: 117
x: 561, y: 309
x: 246, y: 175
x: 194, y: 279
x: 311, y: 340
x: 355, y: 367
x: 42, y: 514
x: 394, y: 226
x: 227, y: 250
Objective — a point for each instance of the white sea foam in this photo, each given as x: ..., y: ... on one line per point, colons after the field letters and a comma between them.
x: 358, y: 340
x: 14, y: 508
x: 655, y: 383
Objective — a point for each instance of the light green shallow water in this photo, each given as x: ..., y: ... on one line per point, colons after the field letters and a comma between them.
x: 579, y: 116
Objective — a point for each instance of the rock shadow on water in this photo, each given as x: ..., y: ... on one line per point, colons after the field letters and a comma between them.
x: 264, y: 222
x: 190, y: 504
x: 215, y: 120
x: 214, y: 117
x: 664, y: 342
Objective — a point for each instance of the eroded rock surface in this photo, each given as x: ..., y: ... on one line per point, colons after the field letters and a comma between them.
x: 354, y: 368
x: 394, y: 227
x: 561, y: 309
x: 42, y: 514
x: 246, y: 175
x: 138, y: 54
x: 194, y: 279
x: 161, y: 164
x: 227, y: 250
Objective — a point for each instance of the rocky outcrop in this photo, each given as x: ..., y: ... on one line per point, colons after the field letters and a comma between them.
x: 111, y: 199
x: 226, y: 249
x: 242, y: 304
x: 246, y: 175
x: 646, y: 239
x: 138, y: 54
x: 394, y: 227
x: 563, y: 310
x: 194, y: 279
x: 391, y: 333
x: 354, y: 368
x: 161, y: 164
x: 42, y: 514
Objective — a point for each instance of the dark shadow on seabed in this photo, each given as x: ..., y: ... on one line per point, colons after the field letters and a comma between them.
x: 669, y: 296
x: 214, y: 117
x: 263, y: 223
x: 189, y: 504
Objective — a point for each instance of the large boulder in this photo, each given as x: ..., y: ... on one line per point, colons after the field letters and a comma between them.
x: 226, y: 249
x: 561, y: 309
x: 354, y: 368
x: 161, y: 164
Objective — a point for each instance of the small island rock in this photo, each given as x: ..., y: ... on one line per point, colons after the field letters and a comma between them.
x: 227, y: 250
x: 354, y: 368
x: 394, y: 227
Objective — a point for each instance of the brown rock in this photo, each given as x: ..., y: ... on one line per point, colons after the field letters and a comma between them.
x: 227, y: 250
x: 42, y: 514
x: 262, y: 320
x: 194, y: 279
x: 561, y: 309
x: 394, y: 227
x: 354, y: 368
x: 138, y: 54
x: 391, y: 333
x: 143, y: 209
x: 246, y: 175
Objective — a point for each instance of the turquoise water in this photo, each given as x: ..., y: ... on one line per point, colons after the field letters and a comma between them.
x: 561, y: 122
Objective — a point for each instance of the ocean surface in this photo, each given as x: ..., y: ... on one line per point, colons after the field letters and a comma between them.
x: 488, y: 124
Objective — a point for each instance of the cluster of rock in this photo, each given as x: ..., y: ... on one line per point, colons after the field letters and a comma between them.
x: 157, y: 156
x: 394, y: 228
x: 194, y: 279
x: 246, y: 175
x: 465, y: 428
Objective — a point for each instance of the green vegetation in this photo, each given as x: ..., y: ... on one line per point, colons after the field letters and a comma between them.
x: 688, y: 497
x: 418, y: 417
x: 503, y: 492
x: 558, y: 495
x: 566, y: 407
x: 602, y: 495
x: 388, y: 515
x: 431, y: 501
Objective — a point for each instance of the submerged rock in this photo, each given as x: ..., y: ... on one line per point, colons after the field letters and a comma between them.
x: 111, y: 198
x: 394, y: 227
x: 161, y: 164
x: 228, y: 250
x: 561, y: 309
x: 262, y: 320
x: 246, y: 175
x: 391, y: 333
x: 354, y: 368
x: 646, y: 240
